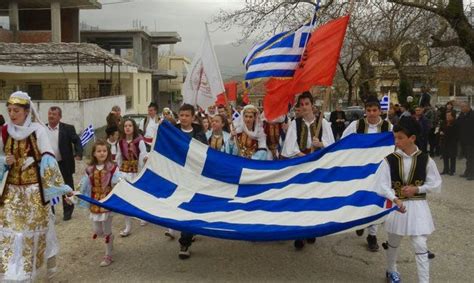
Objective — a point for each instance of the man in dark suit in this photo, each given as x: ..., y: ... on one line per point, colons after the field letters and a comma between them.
x: 425, y: 98
x: 67, y: 147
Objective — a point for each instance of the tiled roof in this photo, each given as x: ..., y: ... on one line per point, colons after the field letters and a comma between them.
x: 51, y: 54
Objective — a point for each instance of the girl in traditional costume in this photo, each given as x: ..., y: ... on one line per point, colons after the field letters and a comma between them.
x: 217, y: 136
x: 101, y: 175
x: 251, y: 138
x: 27, y: 235
x: 130, y: 158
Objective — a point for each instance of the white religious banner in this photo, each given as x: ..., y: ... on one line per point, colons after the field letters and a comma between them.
x: 203, y: 82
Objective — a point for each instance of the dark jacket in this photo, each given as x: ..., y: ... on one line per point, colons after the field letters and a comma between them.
x: 69, y: 146
x: 425, y: 99
x: 337, y: 115
x: 198, y: 133
x: 448, y: 136
x: 465, y: 122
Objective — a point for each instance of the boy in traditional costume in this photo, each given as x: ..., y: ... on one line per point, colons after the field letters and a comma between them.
x: 372, y: 123
x: 305, y: 135
x: 405, y: 177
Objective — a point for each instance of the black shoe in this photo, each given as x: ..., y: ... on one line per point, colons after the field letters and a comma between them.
x: 67, y: 217
x: 470, y: 178
x: 451, y: 173
x: 184, y: 253
x: 299, y: 244
x: 311, y: 241
x: 443, y: 173
x: 372, y: 243
x: 360, y: 232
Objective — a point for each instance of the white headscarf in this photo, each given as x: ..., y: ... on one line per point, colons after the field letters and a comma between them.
x: 32, y: 122
x: 167, y: 110
x: 258, y: 128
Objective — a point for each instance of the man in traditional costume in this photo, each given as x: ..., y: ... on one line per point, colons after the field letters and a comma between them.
x: 371, y: 124
x: 305, y: 135
x: 27, y: 235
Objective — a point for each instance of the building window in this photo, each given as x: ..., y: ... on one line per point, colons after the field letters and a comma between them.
x: 105, y: 87
x: 138, y: 91
x: 129, y: 101
x: 146, y: 90
x: 35, y: 90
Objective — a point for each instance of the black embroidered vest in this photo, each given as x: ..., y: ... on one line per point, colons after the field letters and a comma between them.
x: 363, y: 126
x: 302, y: 133
x: 416, y: 177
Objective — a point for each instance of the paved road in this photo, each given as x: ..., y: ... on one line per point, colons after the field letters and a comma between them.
x: 148, y: 256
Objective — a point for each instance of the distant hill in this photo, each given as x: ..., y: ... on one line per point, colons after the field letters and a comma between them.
x: 230, y: 59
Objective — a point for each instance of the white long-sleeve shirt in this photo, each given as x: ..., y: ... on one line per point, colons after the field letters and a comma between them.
x: 432, y: 183
x: 291, y: 147
x: 417, y: 219
x: 371, y: 128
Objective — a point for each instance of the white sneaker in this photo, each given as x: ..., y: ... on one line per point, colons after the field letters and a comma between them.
x: 170, y: 235
x: 124, y: 233
x: 106, y: 261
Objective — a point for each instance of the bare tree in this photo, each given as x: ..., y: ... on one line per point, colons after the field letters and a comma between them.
x: 396, y: 35
x: 453, y: 12
x: 259, y: 19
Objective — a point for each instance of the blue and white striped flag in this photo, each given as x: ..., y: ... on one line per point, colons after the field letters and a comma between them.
x: 190, y: 187
x: 280, y: 55
x: 385, y: 102
x: 87, y: 135
x: 55, y: 201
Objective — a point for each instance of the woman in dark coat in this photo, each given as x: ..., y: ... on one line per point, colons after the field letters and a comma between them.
x: 449, y: 139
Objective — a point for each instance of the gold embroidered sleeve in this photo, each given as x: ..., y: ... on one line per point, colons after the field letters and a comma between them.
x: 52, y: 178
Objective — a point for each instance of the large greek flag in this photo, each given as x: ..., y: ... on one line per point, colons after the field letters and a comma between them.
x: 187, y: 186
x: 278, y: 56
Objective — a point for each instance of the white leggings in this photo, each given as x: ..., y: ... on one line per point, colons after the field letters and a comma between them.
x: 103, y: 229
x: 421, y: 254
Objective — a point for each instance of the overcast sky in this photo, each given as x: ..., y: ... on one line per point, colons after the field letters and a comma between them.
x: 187, y: 17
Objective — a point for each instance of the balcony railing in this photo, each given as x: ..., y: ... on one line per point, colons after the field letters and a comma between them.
x: 62, y: 91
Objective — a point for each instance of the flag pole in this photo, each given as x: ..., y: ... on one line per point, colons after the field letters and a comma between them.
x: 229, y: 119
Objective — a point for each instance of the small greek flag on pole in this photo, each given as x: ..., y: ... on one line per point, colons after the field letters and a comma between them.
x: 55, y: 201
x: 235, y: 114
x: 87, y: 135
x: 385, y: 102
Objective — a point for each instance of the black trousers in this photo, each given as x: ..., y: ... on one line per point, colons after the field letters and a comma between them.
x: 67, y: 176
x: 186, y: 239
x: 449, y: 163
x: 469, y: 153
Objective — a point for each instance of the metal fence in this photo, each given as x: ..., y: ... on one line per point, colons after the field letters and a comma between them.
x: 63, y: 91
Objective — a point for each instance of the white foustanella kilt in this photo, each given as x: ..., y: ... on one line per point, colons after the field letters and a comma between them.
x: 416, y: 221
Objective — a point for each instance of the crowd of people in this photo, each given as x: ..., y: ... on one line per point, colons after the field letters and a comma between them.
x: 34, y: 152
